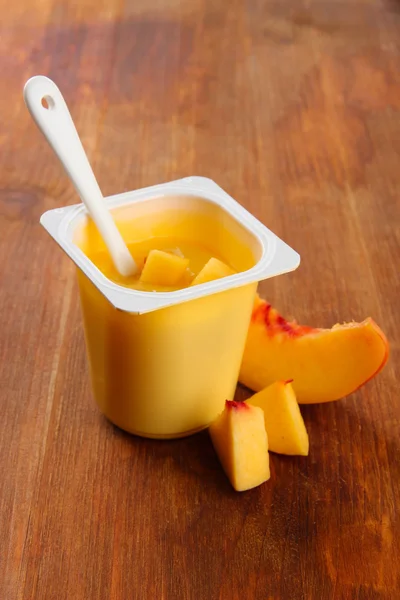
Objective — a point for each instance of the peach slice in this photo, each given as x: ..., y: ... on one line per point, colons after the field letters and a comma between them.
x: 284, y: 424
x: 213, y: 269
x: 241, y: 443
x: 325, y: 364
x: 163, y: 268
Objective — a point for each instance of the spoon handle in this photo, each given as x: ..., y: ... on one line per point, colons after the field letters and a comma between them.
x: 50, y: 112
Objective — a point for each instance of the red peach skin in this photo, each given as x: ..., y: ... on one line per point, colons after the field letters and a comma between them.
x: 325, y: 364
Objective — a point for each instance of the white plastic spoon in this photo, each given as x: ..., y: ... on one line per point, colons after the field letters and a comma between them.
x: 50, y: 113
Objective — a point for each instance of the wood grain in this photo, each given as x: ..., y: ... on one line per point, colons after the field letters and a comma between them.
x: 294, y: 108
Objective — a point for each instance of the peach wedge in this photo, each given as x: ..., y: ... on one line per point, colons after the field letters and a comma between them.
x: 213, y: 269
x: 325, y: 364
x: 241, y: 443
x: 163, y: 268
x: 284, y: 424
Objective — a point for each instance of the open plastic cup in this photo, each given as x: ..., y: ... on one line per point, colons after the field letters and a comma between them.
x: 163, y: 363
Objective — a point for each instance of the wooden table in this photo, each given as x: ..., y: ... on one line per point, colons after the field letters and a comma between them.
x: 294, y: 108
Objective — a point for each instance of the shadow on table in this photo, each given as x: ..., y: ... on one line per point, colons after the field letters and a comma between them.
x: 193, y: 457
x: 346, y: 454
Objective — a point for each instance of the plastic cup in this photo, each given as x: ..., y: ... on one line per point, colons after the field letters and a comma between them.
x: 162, y: 364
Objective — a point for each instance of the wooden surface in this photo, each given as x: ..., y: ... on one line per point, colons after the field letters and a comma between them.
x: 294, y: 108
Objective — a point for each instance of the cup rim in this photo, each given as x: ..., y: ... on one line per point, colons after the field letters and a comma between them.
x: 276, y: 256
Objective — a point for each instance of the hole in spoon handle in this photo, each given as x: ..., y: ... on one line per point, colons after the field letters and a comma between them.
x: 48, y: 102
